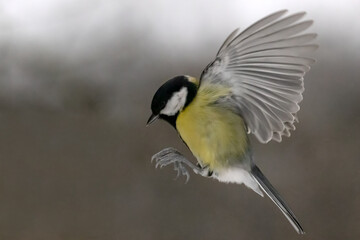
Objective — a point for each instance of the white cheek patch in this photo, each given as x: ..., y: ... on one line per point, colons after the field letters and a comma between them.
x: 175, y: 103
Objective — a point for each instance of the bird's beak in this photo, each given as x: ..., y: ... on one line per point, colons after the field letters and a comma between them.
x: 152, y: 119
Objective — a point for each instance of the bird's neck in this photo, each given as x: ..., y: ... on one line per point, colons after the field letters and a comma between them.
x: 192, y: 91
x: 171, y: 119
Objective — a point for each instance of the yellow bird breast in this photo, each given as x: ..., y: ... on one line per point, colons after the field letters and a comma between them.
x: 216, y: 136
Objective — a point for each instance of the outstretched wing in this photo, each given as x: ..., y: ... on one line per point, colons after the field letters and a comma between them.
x: 264, y: 66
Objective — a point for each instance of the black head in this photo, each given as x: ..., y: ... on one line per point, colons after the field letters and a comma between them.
x: 172, y: 97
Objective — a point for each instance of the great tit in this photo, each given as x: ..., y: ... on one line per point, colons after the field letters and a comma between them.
x: 254, y: 85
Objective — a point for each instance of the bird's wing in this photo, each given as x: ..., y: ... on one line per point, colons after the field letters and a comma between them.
x: 264, y: 66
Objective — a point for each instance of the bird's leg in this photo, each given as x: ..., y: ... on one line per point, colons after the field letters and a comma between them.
x: 203, y: 170
x: 172, y: 156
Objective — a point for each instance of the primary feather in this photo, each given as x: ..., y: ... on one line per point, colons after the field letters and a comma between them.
x: 263, y: 66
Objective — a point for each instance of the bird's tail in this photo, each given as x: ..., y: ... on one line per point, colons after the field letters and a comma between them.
x: 266, y: 186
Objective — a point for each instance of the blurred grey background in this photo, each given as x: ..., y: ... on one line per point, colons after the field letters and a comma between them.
x: 76, y: 82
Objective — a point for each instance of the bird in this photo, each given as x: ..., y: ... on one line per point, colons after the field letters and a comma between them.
x: 253, y: 86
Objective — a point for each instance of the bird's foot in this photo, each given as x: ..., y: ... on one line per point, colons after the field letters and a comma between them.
x: 169, y: 156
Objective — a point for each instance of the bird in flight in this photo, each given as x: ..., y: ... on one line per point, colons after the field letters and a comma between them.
x: 254, y: 85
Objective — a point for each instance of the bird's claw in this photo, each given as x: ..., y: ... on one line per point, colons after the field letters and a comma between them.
x: 181, y: 170
x: 169, y: 156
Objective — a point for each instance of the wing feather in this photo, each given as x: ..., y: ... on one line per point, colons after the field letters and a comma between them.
x: 277, y: 29
x: 264, y: 66
x: 277, y: 59
x: 255, y: 27
x: 229, y: 39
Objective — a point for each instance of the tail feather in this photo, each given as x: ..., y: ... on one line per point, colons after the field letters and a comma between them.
x: 266, y: 186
